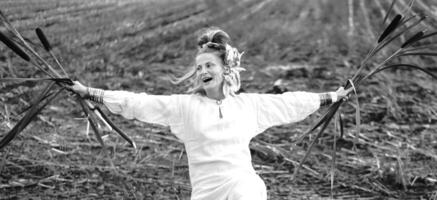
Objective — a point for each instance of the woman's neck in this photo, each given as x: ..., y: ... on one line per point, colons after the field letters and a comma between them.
x: 216, y: 94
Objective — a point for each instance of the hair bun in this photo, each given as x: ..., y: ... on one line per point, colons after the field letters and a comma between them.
x: 220, y: 37
x: 213, y: 35
x: 202, y: 40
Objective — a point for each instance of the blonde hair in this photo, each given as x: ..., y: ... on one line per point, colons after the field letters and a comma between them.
x: 216, y: 41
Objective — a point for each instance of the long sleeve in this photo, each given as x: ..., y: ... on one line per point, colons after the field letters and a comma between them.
x: 277, y: 109
x: 157, y: 109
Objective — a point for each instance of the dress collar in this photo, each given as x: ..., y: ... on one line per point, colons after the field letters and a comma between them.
x: 207, y: 99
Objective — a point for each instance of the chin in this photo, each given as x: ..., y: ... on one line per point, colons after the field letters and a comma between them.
x: 207, y: 87
x: 210, y: 87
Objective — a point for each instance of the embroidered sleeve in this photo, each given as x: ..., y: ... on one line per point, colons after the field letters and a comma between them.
x: 95, y: 94
x: 327, y: 99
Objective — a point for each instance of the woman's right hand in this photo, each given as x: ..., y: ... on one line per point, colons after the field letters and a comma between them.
x: 79, y: 88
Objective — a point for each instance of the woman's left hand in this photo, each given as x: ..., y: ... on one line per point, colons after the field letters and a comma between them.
x: 343, y: 94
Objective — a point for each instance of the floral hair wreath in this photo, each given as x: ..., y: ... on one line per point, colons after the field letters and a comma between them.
x: 232, y: 56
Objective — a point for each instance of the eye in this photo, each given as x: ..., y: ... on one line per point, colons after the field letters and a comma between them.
x: 208, y: 65
x: 199, y: 67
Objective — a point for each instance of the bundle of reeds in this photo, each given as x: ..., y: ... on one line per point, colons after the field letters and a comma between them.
x: 415, y: 45
x: 18, y: 44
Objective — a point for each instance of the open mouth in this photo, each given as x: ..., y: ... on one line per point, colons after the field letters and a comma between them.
x: 207, y: 79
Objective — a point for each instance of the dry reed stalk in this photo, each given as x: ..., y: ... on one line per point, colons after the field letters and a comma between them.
x: 97, y: 111
x: 401, y: 174
x: 391, y: 27
x: 14, y: 47
x: 88, y: 113
x: 48, y: 48
x: 23, y: 43
x: 408, y: 8
x: 58, y: 80
x: 112, y: 125
x: 397, y: 28
x: 390, y: 9
x: 36, y: 107
x: 38, y: 62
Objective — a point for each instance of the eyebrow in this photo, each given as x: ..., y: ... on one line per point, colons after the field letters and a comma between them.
x: 208, y: 62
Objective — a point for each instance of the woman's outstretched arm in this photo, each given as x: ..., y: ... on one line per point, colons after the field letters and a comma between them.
x: 158, y: 109
x: 289, y: 107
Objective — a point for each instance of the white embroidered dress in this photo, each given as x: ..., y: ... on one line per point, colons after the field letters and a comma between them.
x: 219, y: 159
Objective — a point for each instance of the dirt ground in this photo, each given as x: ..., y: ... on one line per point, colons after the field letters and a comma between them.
x: 310, y: 45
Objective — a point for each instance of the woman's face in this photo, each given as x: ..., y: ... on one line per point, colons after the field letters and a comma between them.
x: 209, y: 71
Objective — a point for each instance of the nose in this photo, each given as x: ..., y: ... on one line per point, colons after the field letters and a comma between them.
x: 203, y: 70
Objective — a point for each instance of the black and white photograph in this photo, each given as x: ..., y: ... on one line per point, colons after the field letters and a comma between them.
x: 218, y: 99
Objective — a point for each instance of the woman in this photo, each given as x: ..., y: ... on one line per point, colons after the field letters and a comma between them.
x: 214, y: 123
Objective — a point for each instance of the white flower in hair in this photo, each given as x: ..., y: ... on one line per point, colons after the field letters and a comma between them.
x: 233, y: 58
